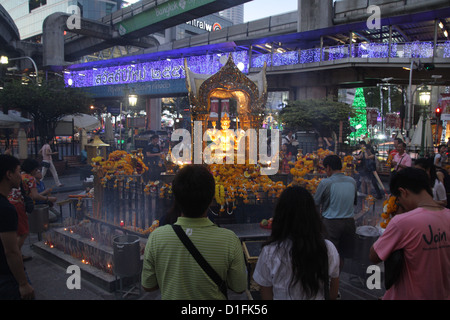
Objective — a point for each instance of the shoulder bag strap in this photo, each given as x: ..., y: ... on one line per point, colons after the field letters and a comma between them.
x: 200, y: 259
x: 396, y: 167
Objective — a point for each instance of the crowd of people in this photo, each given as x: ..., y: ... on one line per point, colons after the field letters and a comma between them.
x: 304, y: 255
x: 302, y: 258
x: 21, y: 188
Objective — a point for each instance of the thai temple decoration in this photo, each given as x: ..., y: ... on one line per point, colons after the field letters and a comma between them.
x: 210, y: 97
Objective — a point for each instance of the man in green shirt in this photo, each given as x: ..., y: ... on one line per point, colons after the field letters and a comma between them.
x: 169, y: 266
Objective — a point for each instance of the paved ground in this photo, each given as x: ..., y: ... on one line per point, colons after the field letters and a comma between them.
x: 49, y: 279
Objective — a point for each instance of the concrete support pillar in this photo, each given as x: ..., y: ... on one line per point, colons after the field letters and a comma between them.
x: 23, y: 144
x: 53, y: 39
x: 153, y: 110
x: 83, y: 139
x: 304, y: 93
x: 314, y: 14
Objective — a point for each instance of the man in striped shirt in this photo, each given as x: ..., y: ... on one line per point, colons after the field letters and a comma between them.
x: 169, y: 266
x: 336, y: 195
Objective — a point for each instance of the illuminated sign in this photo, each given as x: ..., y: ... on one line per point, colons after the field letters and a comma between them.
x: 168, y: 69
x: 204, y: 25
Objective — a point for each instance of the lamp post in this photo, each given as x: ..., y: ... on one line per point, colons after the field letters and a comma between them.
x: 424, y: 100
x: 132, y: 101
x: 5, y: 60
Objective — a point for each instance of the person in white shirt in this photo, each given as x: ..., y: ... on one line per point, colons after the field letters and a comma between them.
x: 441, y: 158
x: 47, y: 162
x: 297, y: 262
x: 438, y: 188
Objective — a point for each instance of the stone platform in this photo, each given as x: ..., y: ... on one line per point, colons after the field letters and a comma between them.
x: 95, y: 259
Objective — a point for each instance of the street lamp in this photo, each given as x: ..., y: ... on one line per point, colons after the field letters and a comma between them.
x: 424, y: 99
x: 5, y: 60
x: 132, y: 99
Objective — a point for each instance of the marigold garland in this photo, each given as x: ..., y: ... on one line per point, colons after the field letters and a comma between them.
x: 390, y: 207
x: 119, y: 162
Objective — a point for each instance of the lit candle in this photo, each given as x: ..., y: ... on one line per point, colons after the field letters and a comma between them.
x: 122, y: 223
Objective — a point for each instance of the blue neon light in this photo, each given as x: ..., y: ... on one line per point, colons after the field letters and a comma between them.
x: 211, y: 63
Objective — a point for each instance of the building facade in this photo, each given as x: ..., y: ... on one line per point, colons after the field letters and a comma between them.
x: 29, y: 15
x: 235, y: 14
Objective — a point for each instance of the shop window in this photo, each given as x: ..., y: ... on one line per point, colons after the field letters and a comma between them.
x: 33, y: 4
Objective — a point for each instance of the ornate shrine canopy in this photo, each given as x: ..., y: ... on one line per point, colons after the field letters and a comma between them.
x: 229, y: 82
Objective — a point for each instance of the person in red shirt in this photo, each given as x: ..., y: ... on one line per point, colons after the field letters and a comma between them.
x: 29, y: 167
x: 422, y: 232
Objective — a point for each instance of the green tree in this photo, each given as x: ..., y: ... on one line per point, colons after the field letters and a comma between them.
x: 323, y: 116
x: 359, y: 120
x: 47, y: 103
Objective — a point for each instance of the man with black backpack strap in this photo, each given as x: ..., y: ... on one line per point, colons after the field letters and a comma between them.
x: 171, y: 267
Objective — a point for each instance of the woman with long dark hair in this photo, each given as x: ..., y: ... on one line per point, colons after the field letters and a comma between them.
x: 297, y: 262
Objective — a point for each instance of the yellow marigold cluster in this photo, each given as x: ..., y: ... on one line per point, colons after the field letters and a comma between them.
x: 151, y: 187
x: 389, y: 160
x: 323, y: 153
x: 236, y: 181
x: 119, y: 162
x: 166, y: 189
x: 307, y: 164
x: 150, y: 229
x: 309, y: 184
x: 390, y: 207
x: 348, y: 165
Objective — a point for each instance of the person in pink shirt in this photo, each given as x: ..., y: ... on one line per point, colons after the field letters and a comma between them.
x: 401, y: 159
x: 423, y: 233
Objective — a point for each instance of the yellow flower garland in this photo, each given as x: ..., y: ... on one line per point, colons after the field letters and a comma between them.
x: 390, y: 207
x: 119, y: 162
x: 220, y: 195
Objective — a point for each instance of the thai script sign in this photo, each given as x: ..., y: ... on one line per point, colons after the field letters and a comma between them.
x: 167, y: 69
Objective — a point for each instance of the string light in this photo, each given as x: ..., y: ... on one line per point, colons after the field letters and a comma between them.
x: 170, y: 69
x: 310, y: 55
